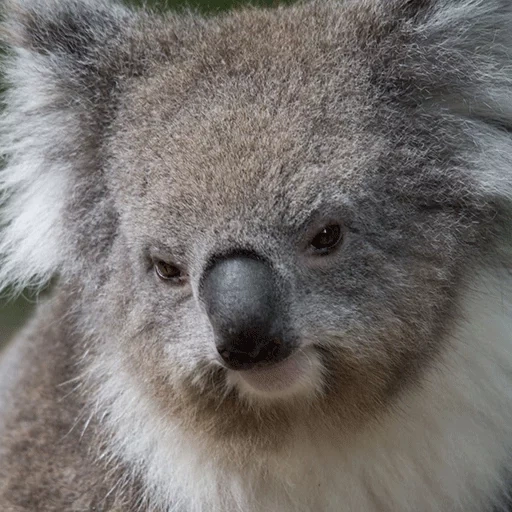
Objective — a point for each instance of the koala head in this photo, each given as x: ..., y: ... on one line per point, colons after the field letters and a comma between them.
x: 263, y: 217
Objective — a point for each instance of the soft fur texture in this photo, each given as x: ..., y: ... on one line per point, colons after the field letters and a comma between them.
x: 131, y: 137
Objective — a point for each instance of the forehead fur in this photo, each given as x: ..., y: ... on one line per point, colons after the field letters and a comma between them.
x: 270, y: 114
x: 273, y: 106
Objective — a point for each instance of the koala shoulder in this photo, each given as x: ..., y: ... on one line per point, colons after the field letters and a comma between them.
x: 46, y: 429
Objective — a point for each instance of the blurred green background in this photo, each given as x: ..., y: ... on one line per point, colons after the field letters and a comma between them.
x: 14, y: 312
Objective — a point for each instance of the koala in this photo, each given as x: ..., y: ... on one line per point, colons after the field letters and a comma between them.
x: 279, y: 248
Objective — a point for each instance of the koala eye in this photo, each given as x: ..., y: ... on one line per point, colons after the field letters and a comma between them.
x: 168, y: 272
x: 327, y: 239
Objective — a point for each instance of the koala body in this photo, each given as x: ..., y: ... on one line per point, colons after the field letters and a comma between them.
x: 281, y: 246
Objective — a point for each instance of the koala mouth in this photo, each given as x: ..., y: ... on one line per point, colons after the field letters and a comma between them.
x: 299, y: 374
x: 274, y: 378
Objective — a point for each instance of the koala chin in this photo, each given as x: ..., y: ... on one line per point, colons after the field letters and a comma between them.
x: 279, y: 248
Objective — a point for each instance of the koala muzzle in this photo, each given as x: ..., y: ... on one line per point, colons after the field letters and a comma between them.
x: 242, y: 302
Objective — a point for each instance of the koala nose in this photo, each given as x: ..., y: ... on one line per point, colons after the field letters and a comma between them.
x: 243, y: 306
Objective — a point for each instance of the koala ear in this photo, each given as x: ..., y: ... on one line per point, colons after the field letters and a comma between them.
x: 64, y: 59
x: 451, y: 59
x: 452, y: 50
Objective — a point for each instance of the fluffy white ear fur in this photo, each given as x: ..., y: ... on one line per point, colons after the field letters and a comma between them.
x: 36, y: 180
x: 459, y: 63
x: 41, y: 137
x: 491, y: 161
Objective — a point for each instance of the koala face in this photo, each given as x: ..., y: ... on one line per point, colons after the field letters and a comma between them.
x: 272, y: 214
x: 285, y: 244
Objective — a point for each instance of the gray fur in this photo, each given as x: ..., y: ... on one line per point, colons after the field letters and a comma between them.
x: 130, y: 135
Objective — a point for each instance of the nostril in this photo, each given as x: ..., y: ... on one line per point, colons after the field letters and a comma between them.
x: 254, y: 353
x: 238, y: 360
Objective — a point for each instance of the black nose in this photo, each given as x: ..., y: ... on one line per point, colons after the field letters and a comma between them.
x: 242, y: 301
